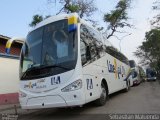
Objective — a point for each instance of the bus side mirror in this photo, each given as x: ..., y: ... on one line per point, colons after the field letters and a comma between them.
x: 88, y: 53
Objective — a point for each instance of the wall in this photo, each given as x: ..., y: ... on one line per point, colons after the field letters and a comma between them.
x: 9, y: 72
x: 9, y: 75
x: 9, y: 79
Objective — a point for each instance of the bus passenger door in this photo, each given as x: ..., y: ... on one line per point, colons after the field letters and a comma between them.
x: 89, y: 74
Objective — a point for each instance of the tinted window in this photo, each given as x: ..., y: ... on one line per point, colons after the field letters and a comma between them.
x: 83, y: 52
x: 132, y: 63
x: 32, y: 49
x: 134, y: 74
x: 115, y: 53
x: 90, y: 40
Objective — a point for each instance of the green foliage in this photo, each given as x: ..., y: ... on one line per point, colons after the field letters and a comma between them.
x: 36, y: 19
x: 117, y: 18
x: 149, y: 51
x: 82, y: 7
x: 153, y: 43
x: 72, y: 8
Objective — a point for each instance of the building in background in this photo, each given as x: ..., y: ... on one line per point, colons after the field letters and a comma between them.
x: 9, y: 73
x: 15, y: 48
x: 3, y: 41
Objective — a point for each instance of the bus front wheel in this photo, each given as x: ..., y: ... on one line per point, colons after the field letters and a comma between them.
x: 103, y: 97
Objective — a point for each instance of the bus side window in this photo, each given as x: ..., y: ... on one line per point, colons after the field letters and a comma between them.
x: 115, y: 53
x: 93, y: 45
x: 111, y: 50
x: 94, y: 41
x: 83, y: 52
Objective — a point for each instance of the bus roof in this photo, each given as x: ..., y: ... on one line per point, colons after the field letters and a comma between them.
x: 54, y: 19
x: 60, y: 17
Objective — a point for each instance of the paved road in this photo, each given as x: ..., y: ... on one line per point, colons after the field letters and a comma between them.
x: 144, y: 98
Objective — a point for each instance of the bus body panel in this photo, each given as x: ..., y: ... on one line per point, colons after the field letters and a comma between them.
x: 98, y: 70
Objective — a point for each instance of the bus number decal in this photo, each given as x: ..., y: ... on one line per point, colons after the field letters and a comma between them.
x: 55, y: 80
x: 89, y: 84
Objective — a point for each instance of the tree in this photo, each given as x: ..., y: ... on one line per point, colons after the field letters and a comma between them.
x: 149, y: 51
x: 156, y: 5
x: 117, y: 18
x: 155, y: 22
x: 37, y: 19
x: 85, y: 8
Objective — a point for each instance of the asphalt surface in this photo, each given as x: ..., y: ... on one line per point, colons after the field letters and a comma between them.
x: 141, y: 99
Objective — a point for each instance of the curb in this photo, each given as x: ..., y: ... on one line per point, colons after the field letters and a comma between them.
x: 9, y: 107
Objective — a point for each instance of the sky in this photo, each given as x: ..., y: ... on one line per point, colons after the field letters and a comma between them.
x: 15, y: 16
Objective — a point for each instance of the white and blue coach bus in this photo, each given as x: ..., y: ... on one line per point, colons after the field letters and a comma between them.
x: 65, y: 62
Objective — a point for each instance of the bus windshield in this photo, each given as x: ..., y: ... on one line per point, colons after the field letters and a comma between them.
x: 48, y: 50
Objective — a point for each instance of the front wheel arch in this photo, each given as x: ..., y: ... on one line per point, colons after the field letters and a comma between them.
x: 105, y: 84
x: 100, y: 101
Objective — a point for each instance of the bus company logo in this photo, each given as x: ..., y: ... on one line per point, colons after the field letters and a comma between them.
x: 30, y: 85
x: 41, y: 81
x: 114, y: 68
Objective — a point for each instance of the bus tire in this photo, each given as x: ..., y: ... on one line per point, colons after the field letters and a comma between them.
x: 127, y: 86
x: 103, y: 97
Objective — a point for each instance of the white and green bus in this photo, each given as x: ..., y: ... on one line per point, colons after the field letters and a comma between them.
x: 66, y: 62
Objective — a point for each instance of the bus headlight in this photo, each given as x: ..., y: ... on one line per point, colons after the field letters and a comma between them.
x: 73, y: 86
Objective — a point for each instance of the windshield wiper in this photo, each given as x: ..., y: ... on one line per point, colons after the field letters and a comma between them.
x: 53, y: 66
x: 42, y: 67
x: 28, y: 70
x: 47, y: 66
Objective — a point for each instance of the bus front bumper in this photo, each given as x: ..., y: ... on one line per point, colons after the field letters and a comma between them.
x: 43, y: 102
x: 53, y: 101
